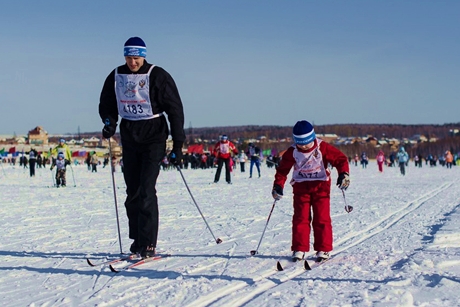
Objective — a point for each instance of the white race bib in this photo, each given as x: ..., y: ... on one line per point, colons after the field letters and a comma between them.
x: 309, y: 166
x: 133, y: 98
x: 224, y: 148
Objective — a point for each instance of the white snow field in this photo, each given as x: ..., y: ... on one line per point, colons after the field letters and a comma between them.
x: 399, y: 247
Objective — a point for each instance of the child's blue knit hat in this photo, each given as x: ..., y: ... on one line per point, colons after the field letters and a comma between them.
x: 303, y: 133
x: 135, y: 46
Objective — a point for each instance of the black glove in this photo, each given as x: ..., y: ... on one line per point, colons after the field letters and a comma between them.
x: 67, y: 162
x: 175, y: 157
x: 277, y: 192
x: 109, y: 129
x: 343, y: 181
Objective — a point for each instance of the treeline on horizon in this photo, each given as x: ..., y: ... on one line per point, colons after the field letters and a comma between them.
x: 378, y: 131
x: 398, y: 131
x: 445, y: 139
x: 443, y: 134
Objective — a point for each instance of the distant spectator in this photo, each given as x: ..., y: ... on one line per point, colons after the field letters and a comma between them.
x: 242, y: 160
x: 88, y: 160
x: 94, y: 163
x: 364, y: 160
x: 380, y: 160
x: 203, y: 161
x: 402, y: 157
x: 39, y: 160
x: 32, y: 160
x: 25, y: 161
x: 254, y: 155
x: 223, y: 150
x: 449, y: 159
x: 416, y: 160
x: 420, y: 158
x: 392, y: 160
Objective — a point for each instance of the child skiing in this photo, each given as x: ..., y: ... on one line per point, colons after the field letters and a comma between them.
x: 60, y: 164
x: 311, y: 183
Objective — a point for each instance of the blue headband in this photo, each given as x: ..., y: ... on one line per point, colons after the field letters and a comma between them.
x: 303, y: 133
x: 305, y: 138
x: 137, y: 51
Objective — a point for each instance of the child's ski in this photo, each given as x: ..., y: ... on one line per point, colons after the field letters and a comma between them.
x: 313, y: 264
x: 286, y: 263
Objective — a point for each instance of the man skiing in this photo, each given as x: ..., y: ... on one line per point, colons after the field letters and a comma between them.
x: 141, y: 93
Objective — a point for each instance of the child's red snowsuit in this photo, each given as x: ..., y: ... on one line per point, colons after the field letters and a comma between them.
x: 311, y: 196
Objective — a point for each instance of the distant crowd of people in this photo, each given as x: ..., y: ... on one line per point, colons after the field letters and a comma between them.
x: 225, y: 157
x: 401, y: 158
x: 58, y: 157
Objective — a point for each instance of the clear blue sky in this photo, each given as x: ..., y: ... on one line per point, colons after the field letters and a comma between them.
x: 235, y: 62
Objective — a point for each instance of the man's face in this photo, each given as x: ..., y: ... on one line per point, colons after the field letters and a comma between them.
x: 134, y: 62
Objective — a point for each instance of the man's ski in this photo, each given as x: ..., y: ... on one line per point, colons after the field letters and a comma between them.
x: 137, y: 263
x: 107, y: 262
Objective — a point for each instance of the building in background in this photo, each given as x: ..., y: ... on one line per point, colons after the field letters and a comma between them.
x: 38, y: 136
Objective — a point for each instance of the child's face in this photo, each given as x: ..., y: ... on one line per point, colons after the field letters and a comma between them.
x: 305, y: 146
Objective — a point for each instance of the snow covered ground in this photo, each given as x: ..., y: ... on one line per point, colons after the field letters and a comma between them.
x: 399, y: 247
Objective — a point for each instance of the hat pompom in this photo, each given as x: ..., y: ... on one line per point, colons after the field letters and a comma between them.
x: 303, y: 132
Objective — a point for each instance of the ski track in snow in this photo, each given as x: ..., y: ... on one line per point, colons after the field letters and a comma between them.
x: 265, y: 283
x: 386, y: 252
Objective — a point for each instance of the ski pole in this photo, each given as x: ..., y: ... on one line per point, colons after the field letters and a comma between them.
x: 253, y: 252
x: 3, y: 169
x: 107, y: 122
x: 51, y: 162
x: 73, y: 177
x: 186, y: 185
x: 52, y: 177
x: 347, y: 207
